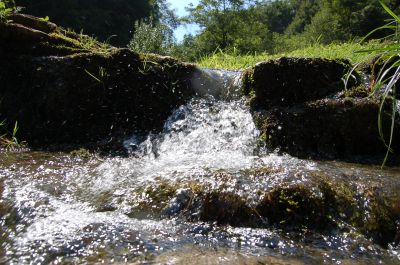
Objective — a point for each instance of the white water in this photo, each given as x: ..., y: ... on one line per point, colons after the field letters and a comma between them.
x: 208, y: 134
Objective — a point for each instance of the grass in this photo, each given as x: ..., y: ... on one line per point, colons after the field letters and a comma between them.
x: 80, y: 40
x: 9, y: 140
x: 332, y: 51
x: 89, y: 43
x: 387, y: 78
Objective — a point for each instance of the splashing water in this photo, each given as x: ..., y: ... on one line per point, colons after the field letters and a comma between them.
x: 58, y: 209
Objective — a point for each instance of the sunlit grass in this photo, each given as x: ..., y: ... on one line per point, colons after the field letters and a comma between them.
x: 348, y: 51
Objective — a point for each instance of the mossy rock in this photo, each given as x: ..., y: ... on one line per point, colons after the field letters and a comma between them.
x: 302, y: 107
x: 62, y: 90
x: 360, y: 91
x: 287, y: 81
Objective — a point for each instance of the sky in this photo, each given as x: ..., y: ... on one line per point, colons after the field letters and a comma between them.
x: 179, y: 6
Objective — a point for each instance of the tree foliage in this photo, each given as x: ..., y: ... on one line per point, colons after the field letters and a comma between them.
x: 218, y: 19
x: 155, y: 34
x: 279, y: 25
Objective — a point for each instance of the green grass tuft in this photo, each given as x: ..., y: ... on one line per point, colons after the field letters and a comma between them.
x: 9, y: 140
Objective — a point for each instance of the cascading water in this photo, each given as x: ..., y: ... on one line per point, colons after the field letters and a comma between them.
x: 59, y: 209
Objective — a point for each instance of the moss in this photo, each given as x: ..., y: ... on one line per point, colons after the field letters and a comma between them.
x: 81, y: 152
x: 61, y: 39
x: 61, y: 49
x: 227, y: 208
x: 381, y: 215
x: 248, y: 83
x: 151, y: 200
x: 360, y: 91
x: 295, y: 206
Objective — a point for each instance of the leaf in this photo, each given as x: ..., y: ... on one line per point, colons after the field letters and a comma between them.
x: 390, y: 12
x: 92, y: 76
x: 45, y: 19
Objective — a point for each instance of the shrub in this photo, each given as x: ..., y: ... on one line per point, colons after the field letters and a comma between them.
x: 151, y: 37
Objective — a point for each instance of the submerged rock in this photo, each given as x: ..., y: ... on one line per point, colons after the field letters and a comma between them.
x: 65, y: 88
x: 302, y: 107
x: 319, y: 204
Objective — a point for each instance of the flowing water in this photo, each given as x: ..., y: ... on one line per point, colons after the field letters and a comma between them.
x: 57, y: 208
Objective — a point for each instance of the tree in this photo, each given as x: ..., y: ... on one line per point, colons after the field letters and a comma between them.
x: 155, y: 35
x: 162, y: 13
x: 188, y: 49
x: 305, y: 10
x: 217, y: 18
x: 325, y: 27
x: 277, y: 14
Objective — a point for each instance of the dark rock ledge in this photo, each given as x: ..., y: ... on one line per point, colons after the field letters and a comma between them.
x: 66, y: 88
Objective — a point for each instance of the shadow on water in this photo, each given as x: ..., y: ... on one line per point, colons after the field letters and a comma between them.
x: 203, y: 191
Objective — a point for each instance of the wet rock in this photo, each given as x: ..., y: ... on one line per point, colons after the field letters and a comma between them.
x: 302, y: 107
x: 321, y: 203
x: 154, y: 201
x: 179, y: 202
x: 227, y: 208
x: 63, y: 90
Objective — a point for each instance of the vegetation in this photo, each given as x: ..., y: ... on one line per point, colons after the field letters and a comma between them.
x: 151, y: 38
x: 9, y: 140
x: 6, y: 8
x: 233, y: 60
x: 276, y: 27
x: 388, y: 76
x: 156, y: 34
x: 235, y: 27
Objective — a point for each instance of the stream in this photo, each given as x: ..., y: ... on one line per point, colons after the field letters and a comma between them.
x: 58, y: 208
